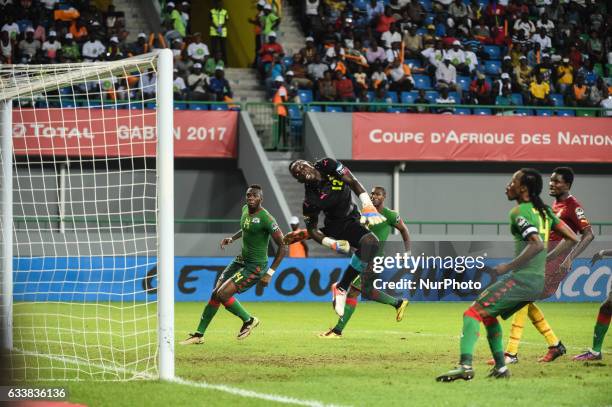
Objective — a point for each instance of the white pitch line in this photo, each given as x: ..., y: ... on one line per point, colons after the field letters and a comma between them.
x: 202, y: 385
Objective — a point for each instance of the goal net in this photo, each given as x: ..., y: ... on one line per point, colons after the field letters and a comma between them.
x: 87, y: 197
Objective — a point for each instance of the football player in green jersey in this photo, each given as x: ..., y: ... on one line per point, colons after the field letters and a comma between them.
x: 382, y: 231
x: 531, y: 222
x: 257, y: 225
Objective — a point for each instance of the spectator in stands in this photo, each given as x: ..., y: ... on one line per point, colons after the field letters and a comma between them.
x: 391, y: 36
x: 546, y: 23
x: 539, y: 91
x: 394, y: 53
x: 197, y: 50
x: 268, y: 51
x: 502, y: 84
x: 182, y: 62
x: 219, y: 86
x: 400, y: 78
x: 50, y: 48
x: 79, y: 32
x: 257, y: 24
x: 374, y: 53
x: 457, y: 56
x: 317, y: 69
x: 292, y: 87
x: 70, y: 50
x: 384, y: 22
x: 421, y: 99
x: 578, y: 94
x: 525, y: 25
x: 506, y: 66
x: 186, y: 15
x: 504, y: 99
x: 445, y: 99
x: 595, y: 47
x: 6, y: 47
x: 379, y: 77
x: 218, y: 28
x: 114, y: 20
x: 413, y: 42
x: 565, y: 75
x: 471, y: 60
x: 546, y: 69
x: 458, y: 10
x: 434, y: 55
x: 271, y: 21
x: 141, y: 46
x: 380, y: 99
x: 170, y: 34
x: 480, y: 91
x: 542, y: 39
x: 178, y: 86
x: 332, y: 53
x: 177, y: 48
x: 607, y: 105
x: 309, y: 51
x: 93, y: 50
x: 273, y: 70
x: 300, y: 74
x: 312, y: 14
x: 213, y: 62
x: 174, y: 16
x: 446, y: 76
x: 374, y: 9
x: 114, y: 52
x: 148, y: 83
x: 361, y: 79
x: 327, y: 89
x: 28, y: 47
x: 197, y: 81
x: 344, y: 88
x: 441, y: 5
x: 598, y: 93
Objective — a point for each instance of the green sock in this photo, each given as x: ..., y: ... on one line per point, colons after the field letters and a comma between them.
x: 471, y: 330
x: 349, y: 308
x: 207, y: 315
x: 234, y: 306
x: 371, y: 293
x: 601, y: 327
x: 494, y: 336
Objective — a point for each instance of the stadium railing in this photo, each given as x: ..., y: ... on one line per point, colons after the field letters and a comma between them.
x: 204, y: 224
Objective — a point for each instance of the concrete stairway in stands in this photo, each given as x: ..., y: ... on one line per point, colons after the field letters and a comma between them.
x: 245, y: 85
x: 289, y: 33
x: 135, y: 21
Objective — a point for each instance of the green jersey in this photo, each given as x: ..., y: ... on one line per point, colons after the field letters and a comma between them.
x: 256, y: 231
x: 524, y: 221
x: 382, y: 230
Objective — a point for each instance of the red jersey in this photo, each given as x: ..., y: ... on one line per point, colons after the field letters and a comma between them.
x: 569, y: 211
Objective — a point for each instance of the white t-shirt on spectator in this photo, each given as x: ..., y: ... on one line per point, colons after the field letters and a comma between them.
x: 456, y: 57
x: 388, y: 38
x: 471, y: 60
x: 434, y: 56
x: 50, y: 49
x: 545, y: 42
x: 13, y: 29
x: 178, y: 84
x: 549, y: 26
x: 331, y: 53
x: 148, y: 83
x: 391, y: 55
x: 193, y: 78
x: 92, y: 50
x: 198, y: 51
x: 446, y: 73
x: 312, y: 8
x: 527, y: 27
x: 49, y: 4
x: 607, y: 104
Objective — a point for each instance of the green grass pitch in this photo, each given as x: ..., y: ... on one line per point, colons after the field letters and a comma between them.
x: 377, y: 362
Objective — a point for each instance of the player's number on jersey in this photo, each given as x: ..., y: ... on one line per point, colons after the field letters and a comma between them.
x: 337, y: 185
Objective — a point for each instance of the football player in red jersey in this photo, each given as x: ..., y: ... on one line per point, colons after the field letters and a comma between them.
x: 558, y: 265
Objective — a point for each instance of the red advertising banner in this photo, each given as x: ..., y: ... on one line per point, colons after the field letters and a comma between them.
x: 430, y: 137
x: 121, y: 133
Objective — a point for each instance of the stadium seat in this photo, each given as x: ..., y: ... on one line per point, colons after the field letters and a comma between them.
x: 422, y: 81
x: 492, y: 51
x: 492, y: 67
x: 463, y: 111
x: 334, y: 109
x: 517, y: 99
x: 464, y: 82
x: 586, y: 113
x: 524, y: 112
x: 429, y: 19
x: 408, y: 97
x: 426, y: 4
x: 314, y: 108
x: 421, y: 31
x: 566, y: 113
x: 544, y: 112
x: 482, y: 111
x: 396, y: 110
x: 557, y: 99
x: 431, y: 96
x: 393, y: 97
x: 148, y: 105
x: 360, y: 4
x: 198, y: 106
x: 220, y: 106
x: 180, y: 106
x: 287, y: 61
x: 305, y: 95
x: 294, y: 112
x: 455, y: 95
x: 413, y: 63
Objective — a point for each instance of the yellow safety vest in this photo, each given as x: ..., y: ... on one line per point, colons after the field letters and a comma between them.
x: 218, y: 18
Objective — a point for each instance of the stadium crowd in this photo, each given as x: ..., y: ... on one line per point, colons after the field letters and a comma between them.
x: 510, y: 52
x: 53, y: 31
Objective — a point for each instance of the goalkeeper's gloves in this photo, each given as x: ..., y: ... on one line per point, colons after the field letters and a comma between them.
x: 369, y: 214
x: 339, y: 246
x: 296, y: 236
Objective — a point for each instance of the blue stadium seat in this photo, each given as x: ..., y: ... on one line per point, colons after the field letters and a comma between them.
x: 429, y: 19
x: 396, y: 110
x: 524, y: 112
x: 557, y: 99
x: 294, y: 112
x: 198, y: 106
x: 221, y: 106
x: 180, y: 106
x: 463, y: 111
x: 566, y: 113
x: 422, y: 81
x: 393, y: 97
x: 482, y: 111
x: 517, y: 99
x: 150, y: 105
x: 464, y: 81
x: 334, y: 109
x: 493, y: 51
x: 455, y: 96
x: 305, y: 95
x: 544, y: 112
x: 421, y: 31
x: 66, y: 90
x: 408, y: 97
x: 360, y: 4
x: 314, y: 108
x: 492, y: 67
x: 413, y: 63
x: 431, y: 96
x: 287, y: 61
x: 426, y: 4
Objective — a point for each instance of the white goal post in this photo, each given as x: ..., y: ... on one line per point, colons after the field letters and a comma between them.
x: 87, y: 219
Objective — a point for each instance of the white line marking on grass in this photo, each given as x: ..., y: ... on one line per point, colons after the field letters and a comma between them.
x: 253, y: 394
x: 202, y: 385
